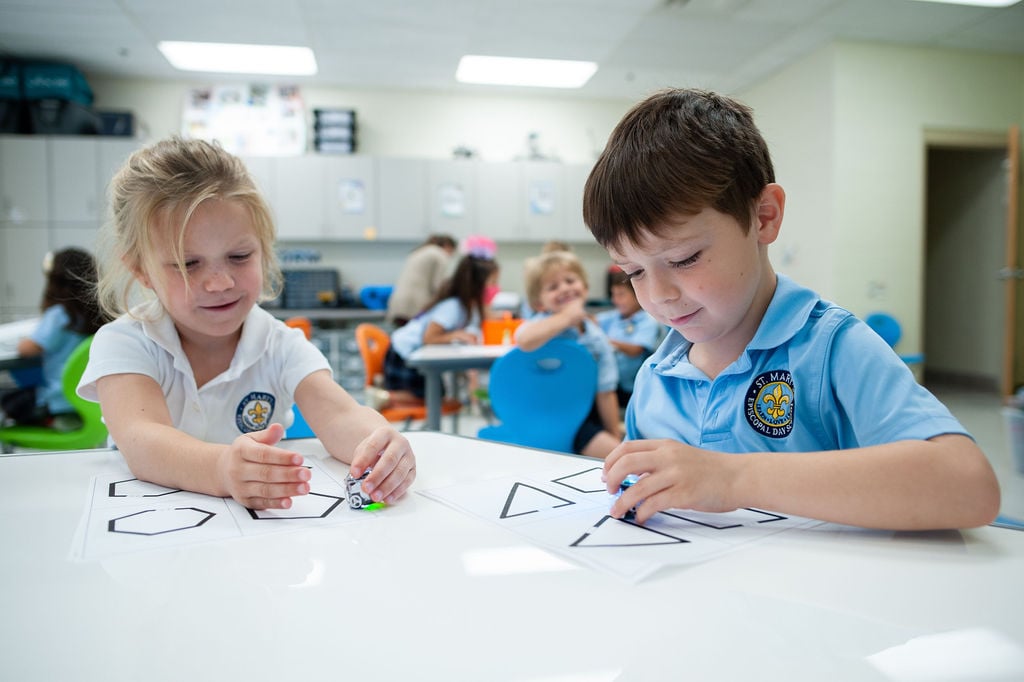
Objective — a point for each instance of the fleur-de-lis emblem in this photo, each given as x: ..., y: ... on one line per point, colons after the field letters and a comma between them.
x: 258, y: 413
x: 776, y: 401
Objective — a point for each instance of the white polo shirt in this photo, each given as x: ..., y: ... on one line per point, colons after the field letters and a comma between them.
x: 255, y: 391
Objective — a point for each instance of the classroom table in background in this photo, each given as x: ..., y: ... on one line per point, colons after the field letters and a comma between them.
x: 421, y: 590
x: 434, y: 360
x: 327, y: 322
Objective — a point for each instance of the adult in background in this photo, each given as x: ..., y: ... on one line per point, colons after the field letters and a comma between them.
x: 424, y: 271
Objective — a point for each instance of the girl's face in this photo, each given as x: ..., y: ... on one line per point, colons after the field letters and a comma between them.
x: 624, y: 299
x: 224, y: 271
x: 558, y: 287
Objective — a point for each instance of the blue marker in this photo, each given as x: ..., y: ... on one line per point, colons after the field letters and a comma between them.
x: 626, y: 483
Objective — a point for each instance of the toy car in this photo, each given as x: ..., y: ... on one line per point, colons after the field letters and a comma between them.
x: 357, y: 499
x: 626, y: 483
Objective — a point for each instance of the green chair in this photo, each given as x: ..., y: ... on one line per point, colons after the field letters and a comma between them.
x: 91, y: 434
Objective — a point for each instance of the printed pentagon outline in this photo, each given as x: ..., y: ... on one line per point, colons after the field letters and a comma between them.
x: 314, y: 506
x: 160, y: 521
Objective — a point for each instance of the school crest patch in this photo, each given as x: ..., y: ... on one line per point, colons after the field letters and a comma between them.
x: 254, y: 412
x: 771, y: 400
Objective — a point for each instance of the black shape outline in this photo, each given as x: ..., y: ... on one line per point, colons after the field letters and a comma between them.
x: 337, y: 500
x: 111, y: 524
x: 113, y: 485
x: 512, y: 494
x: 774, y: 517
x: 674, y: 541
x: 560, y: 480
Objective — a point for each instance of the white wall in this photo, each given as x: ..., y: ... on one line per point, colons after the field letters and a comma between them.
x: 878, y: 102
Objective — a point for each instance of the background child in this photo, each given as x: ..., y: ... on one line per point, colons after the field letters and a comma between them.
x: 833, y: 423
x: 422, y: 276
x: 196, y: 381
x: 556, y: 286
x: 633, y: 333
x: 454, y: 316
x: 70, y: 314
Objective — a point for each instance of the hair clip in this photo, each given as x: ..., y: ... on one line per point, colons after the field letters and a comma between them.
x: 479, y: 246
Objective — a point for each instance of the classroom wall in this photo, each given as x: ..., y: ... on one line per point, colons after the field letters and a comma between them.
x: 418, y: 125
x: 846, y: 125
x: 878, y: 102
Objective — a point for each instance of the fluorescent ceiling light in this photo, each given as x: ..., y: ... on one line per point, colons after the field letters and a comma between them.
x: 978, y: 3
x: 277, y: 60
x: 543, y: 73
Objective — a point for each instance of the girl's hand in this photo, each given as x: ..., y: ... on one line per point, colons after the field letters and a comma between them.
x: 258, y: 475
x: 672, y: 476
x: 390, y: 456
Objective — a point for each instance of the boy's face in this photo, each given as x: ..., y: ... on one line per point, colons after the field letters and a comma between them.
x: 624, y: 299
x: 223, y: 264
x: 558, y: 287
x: 702, y: 276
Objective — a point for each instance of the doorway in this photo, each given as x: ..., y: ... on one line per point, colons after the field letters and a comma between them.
x: 965, y: 248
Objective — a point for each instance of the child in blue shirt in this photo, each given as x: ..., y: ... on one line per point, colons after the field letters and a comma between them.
x: 632, y: 332
x: 454, y: 316
x: 763, y: 394
x: 71, y: 313
x: 556, y: 287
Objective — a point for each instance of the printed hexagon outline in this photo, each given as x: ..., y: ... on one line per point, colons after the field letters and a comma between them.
x: 112, y: 489
x: 281, y: 514
x: 200, y: 516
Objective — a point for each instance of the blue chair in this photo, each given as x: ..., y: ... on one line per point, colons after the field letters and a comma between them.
x: 375, y: 297
x: 888, y: 327
x: 541, y: 397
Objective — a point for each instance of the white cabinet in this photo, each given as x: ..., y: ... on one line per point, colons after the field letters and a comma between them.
x: 297, y: 196
x: 74, y: 179
x: 22, y: 246
x: 402, y: 199
x: 500, y: 186
x: 53, y: 195
x: 350, y: 197
x: 24, y: 179
x: 452, y: 198
x: 575, y: 230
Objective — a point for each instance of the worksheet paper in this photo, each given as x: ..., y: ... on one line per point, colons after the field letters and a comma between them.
x: 565, y: 510
x: 123, y: 514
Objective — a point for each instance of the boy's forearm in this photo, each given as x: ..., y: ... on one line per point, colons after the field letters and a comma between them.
x: 532, y: 335
x: 906, y: 485
x: 608, y: 409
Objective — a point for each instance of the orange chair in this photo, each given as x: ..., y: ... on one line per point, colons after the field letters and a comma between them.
x: 303, y: 323
x: 373, y: 345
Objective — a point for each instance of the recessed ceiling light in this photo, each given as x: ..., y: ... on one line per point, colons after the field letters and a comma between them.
x: 543, y: 73
x: 276, y: 60
x: 977, y: 3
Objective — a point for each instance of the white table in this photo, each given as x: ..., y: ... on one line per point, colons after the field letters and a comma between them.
x: 411, y: 596
x: 434, y: 360
x: 10, y: 362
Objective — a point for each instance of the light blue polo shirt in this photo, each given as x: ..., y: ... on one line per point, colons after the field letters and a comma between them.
x: 448, y: 314
x: 595, y: 341
x: 639, y: 329
x: 57, y: 342
x: 814, y: 377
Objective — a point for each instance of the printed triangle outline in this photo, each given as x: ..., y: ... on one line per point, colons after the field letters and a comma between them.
x: 512, y: 494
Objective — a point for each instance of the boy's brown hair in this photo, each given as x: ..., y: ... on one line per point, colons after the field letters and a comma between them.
x: 674, y: 154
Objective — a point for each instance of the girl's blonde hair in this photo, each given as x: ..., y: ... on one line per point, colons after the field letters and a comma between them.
x: 163, y: 182
x: 536, y: 268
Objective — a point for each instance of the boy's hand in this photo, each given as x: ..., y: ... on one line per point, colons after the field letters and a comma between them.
x: 390, y: 456
x: 672, y: 476
x: 574, y: 312
x: 258, y: 475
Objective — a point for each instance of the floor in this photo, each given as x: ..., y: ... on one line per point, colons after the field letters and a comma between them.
x: 979, y: 412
